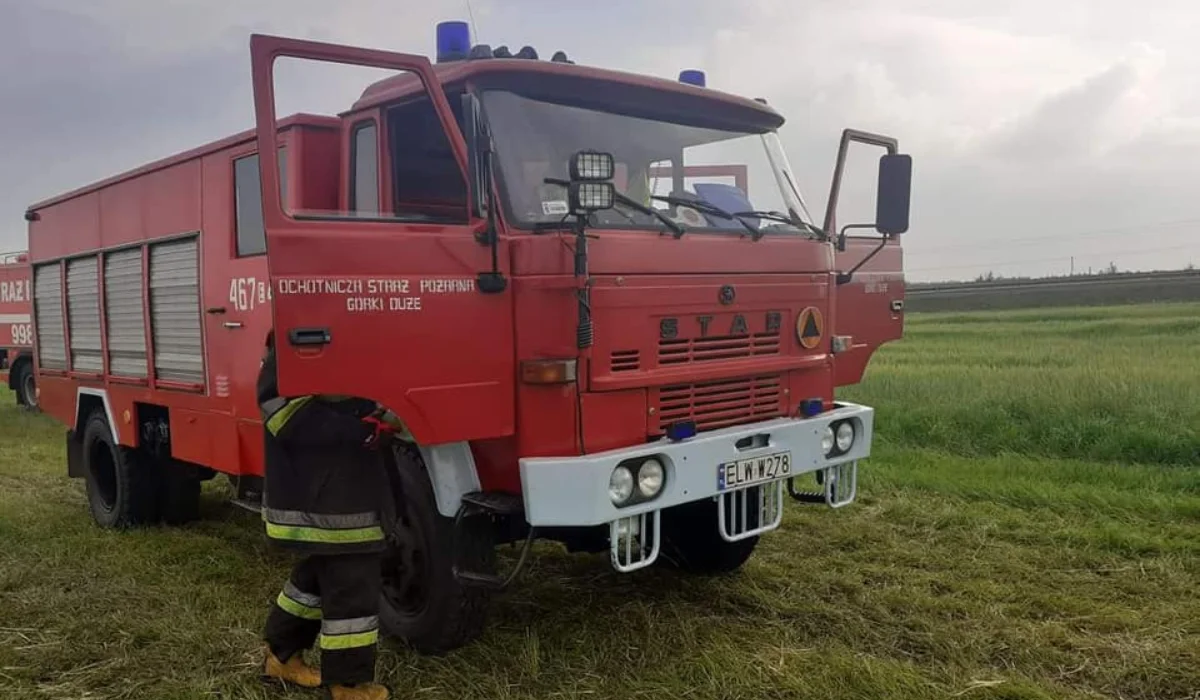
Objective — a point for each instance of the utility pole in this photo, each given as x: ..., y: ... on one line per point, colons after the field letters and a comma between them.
x: 1072, y: 265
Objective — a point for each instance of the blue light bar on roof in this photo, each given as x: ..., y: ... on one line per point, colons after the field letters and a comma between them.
x: 692, y: 77
x: 453, y: 41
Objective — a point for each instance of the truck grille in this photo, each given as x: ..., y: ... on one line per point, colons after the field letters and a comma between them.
x: 719, y: 404
x: 684, y: 350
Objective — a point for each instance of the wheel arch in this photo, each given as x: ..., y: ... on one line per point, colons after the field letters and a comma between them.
x: 450, y: 467
x: 87, y: 400
x: 451, y: 471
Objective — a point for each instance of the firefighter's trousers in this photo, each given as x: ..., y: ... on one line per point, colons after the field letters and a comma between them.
x: 331, y: 600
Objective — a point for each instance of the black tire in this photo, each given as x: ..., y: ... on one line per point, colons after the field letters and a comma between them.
x: 26, y: 388
x: 423, y: 603
x: 120, y: 486
x: 692, y: 542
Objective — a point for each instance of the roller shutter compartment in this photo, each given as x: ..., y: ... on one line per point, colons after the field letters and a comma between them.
x: 48, y: 316
x: 175, y: 311
x: 83, y: 315
x: 123, y: 313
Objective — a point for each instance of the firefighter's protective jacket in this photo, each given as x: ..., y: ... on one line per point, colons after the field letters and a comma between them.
x: 324, y: 482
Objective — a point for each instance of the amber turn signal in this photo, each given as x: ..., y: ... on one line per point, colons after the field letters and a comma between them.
x: 548, y: 371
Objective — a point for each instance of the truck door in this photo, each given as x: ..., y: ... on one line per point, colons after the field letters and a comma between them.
x: 381, y: 299
x: 869, y: 267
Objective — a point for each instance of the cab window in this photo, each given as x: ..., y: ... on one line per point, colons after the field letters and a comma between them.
x: 427, y: 182
x: 250, y: 234
x: 364, y: 166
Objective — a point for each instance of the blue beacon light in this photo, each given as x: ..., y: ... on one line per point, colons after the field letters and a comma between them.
x: 453, y: 41
x: 692, y: 77
x: 678, y: 432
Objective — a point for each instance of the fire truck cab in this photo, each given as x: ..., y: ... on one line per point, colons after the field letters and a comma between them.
x: 16, y: 328
x: 595, y: 302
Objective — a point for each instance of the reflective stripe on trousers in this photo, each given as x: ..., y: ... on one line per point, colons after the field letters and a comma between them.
x: 328, y: 528
x: 298, y: 603
x: 349, y: 633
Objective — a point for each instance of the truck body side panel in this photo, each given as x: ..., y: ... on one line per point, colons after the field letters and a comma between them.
x: 153, y: 255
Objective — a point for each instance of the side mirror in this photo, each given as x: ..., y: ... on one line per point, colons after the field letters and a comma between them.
x: 894, y: 194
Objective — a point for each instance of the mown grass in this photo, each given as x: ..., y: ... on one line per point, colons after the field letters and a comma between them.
x: 981, y: 561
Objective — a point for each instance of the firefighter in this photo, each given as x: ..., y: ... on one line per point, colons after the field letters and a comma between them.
x: 324, y: 477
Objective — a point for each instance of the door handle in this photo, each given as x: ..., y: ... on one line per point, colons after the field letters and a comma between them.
x: 232, y: 324
x: 309, y: 336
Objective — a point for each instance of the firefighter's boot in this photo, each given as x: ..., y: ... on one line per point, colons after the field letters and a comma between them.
x: 294, y: 671
x: 366, y: 691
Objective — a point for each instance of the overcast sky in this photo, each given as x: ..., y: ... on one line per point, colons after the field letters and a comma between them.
x: 1040, y: 130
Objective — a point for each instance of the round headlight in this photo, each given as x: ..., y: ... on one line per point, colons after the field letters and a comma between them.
x: 845, y: 436
x: 620, y: 485
x: 827, y: 440
x: 650, y: 478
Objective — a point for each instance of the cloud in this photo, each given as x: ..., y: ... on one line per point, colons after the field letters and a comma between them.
x: 1086, y: 121
x: 1019, y: 122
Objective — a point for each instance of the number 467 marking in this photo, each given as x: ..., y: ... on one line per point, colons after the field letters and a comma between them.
x: 247, y: 293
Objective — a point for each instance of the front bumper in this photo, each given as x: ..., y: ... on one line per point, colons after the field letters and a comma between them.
x: 573, y: 491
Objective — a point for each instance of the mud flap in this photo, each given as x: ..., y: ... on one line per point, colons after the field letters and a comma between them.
x: 75, y: 465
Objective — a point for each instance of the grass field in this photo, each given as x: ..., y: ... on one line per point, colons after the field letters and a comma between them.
x: 1029, y: 527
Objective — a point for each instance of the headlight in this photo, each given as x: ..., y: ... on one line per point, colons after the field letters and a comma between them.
x: 845, y: 436
x: 827, y: 440
x: 650, y: 478
x: 620, y: 485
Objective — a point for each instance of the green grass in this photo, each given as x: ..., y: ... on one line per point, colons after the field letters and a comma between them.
x: 1029, y: 527
x: 1108, y: 384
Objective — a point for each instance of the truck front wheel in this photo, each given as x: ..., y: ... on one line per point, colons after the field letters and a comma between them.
x: 120, y: 487
x: 692, y: 543
x: 423, y: 602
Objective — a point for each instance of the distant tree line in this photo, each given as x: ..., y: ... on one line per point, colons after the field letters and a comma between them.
x: 1110, y: 269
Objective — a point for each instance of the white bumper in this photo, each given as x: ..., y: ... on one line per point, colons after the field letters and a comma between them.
x: 573, y: 491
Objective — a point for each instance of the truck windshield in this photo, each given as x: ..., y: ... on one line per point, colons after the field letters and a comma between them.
x: 734, y: 171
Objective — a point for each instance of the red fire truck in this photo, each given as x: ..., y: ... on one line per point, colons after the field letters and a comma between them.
x: 16, y: 328
x: 596, y: 301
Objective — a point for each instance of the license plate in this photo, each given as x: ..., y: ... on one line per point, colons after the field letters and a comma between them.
x: 754, y: 470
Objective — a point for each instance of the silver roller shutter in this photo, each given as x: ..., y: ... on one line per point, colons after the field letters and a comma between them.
x: 123, y: 309
x: 175, y: 311
x: 83, y: 315
x: 48, y: 316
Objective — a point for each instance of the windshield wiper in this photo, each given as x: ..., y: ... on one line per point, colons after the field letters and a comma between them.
x: 651, y: 211
x: 710, y: 209
x: 633, y: 204
x: 792, y: 220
